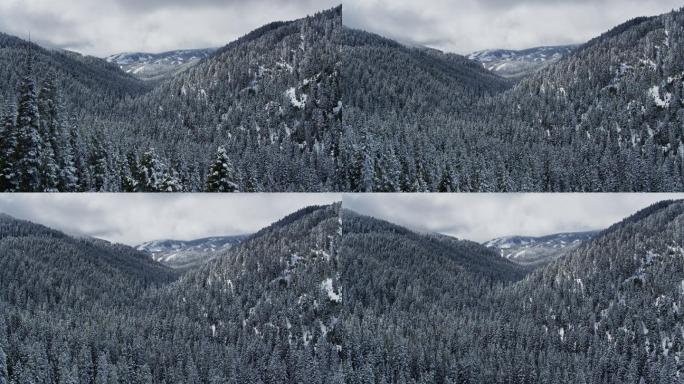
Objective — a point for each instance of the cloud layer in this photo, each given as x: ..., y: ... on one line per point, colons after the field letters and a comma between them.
x: 465, y: 26
x: 134, y: 218
x: 482, y: 217
x: 102, y: 28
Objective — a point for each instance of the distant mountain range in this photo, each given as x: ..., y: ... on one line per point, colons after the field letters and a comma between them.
x: 503, y: 62
x: 519, y: 63
x: 530, y: 250
x: 151, y: 66
x: 191, y: 253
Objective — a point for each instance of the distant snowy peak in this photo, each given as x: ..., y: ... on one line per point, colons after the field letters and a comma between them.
x: 185, y: 254
x: 529, y: 250
x: 511, y: 63
x: 155, y: 65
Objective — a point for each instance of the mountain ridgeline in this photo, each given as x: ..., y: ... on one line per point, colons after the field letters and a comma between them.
x: 260, y: 114
x: 609, y: 116
x: 327, y: 295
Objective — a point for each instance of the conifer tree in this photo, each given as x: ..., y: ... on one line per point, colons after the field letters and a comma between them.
x: 222, y: 175
x: 27, y: 157
x: 8, y: 144
x: 4, y: 377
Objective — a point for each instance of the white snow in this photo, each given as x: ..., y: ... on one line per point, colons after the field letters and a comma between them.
x: 338, y: 108
x: 285, y: 65
x: 327, y: 285
x: 663, y: 102
x: 320, y: 252
x: 518, y: 254
x: 649, y: 62
x: 296, y: 102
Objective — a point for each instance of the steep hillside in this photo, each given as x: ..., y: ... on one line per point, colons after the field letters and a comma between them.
x: 607, y: 312
x: 86, y: 83
x: 270, y: 98
x: 606, y: 117
x: 266, y: 310
x: 530, y: 250
x: 264, y: 110
x: 621, y: 95
x: 611, y: 306
x: 43, y: 269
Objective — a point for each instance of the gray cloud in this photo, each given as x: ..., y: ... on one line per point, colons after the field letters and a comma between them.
x: 132, y: 219
x: 464, y: 26
x: 481, y: 217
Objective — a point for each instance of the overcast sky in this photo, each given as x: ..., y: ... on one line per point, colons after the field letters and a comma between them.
x: 464, y: 26
x: 482, y: 217
x: 102, y: 28
x: 135, y: 218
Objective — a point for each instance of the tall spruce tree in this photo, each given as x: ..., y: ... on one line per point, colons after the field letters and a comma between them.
x: 4, y: 377
x: 27, y: 157
x: 8, y: 144
x: 222, y: 176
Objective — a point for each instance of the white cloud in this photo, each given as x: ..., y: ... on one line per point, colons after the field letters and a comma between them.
x: 481, y: 217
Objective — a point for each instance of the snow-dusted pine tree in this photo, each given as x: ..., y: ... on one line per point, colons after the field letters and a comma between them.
x: 8, y: 143
x: 27, y: 157
x: 3, y: 367
x: 222, y: 176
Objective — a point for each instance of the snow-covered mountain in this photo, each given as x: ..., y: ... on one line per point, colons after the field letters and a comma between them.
x: 529, y: 250
x: 511, y: 63
x: 148, y: 66
x: 187, y: 254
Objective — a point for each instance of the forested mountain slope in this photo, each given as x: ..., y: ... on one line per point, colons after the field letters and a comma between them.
x: 264, y: 311
x: 261, y: 113
x: 37, y: 263
x: 406, y: 297
x: 606, y: 312
x: 324, y: 297
x: 87, y: 83
x: 607, y: 117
